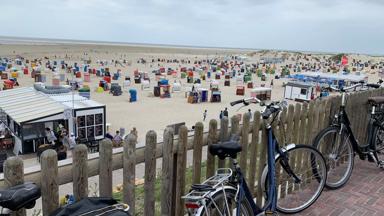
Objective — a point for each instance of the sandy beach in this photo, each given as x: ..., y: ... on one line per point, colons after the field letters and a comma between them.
x: 154, y: 113
x: 149, y: 112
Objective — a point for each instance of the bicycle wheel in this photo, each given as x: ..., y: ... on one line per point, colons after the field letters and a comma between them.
x: 309, y: 166
x: 217, y: 204
x: 378, y: 142
x: 338, y: 153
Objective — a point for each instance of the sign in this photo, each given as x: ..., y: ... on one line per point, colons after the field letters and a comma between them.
x: 67, y: 114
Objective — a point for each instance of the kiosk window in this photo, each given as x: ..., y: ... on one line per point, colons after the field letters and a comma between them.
x: 303, y: 91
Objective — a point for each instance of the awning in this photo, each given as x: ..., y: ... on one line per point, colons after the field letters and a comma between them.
x: 27, y: 104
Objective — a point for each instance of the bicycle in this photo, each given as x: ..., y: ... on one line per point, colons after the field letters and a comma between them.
x: 227, y: 193
x: 338, y: 144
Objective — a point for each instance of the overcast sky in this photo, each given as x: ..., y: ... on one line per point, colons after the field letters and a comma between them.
x: 314, y: 25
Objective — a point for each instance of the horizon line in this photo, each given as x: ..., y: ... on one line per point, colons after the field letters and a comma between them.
x: 119, y: 43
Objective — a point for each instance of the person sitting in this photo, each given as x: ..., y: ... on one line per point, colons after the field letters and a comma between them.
x: 117, y: 140
x: 62, y: 153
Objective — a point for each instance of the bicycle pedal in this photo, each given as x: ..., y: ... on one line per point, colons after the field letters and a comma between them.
x: 270, y: 213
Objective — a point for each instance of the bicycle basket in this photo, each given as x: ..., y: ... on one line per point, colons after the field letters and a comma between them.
x: 92, y: 206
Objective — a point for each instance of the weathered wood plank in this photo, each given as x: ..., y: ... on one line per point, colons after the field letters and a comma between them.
x: 244, y: 143
x: 197, y: 152
x: 105, y: 167
x: 14, y: 175
x: 49, y: 175
x: 223, y: 136
x: 262, y: 155
x: 129, y: 172
x: 150, y: 173
x: 253, y: 152
x: 181, y: 167
x: 212, y: 138
x: 167, y: 174
x: 80, y: 172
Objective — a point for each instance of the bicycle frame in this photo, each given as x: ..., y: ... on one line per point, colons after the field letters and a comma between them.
x: 243, y: 190
x: 344, y: 123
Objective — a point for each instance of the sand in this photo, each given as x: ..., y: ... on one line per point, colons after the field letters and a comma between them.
x: 153, y: 113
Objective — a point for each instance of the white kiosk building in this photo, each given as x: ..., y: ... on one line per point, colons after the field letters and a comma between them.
x: 26, y: 113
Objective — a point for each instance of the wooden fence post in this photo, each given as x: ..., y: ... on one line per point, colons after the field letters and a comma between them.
x: 290, y: 124
x: 181, y: 167
x: 50, y: 187
x: 80, y: 172
x: 262, y: 155
x: 235, y: 120
x: 223, y: 136
x: 150, y: 173
x: 212, y: 137
x: 197, y: 152
x: 14, y: 175
x: 244, y: 143
x: 167, y: 174
x: 129, y: 171
x: 253, y: 152
x: 105, y: 168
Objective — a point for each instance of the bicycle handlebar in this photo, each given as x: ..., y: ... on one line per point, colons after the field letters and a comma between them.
x: 371, y: 85
x: 270, y: 108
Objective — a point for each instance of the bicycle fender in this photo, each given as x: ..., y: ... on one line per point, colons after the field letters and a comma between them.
x: 218, y: 190
x: 265, y: 170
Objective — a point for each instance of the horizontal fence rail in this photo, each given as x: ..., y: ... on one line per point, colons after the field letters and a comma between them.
x: 298, y: 123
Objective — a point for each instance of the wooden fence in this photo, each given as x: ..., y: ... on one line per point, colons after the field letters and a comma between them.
x: 299, y: 124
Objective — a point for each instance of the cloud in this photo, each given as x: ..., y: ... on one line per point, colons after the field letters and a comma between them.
x: 319, y: 25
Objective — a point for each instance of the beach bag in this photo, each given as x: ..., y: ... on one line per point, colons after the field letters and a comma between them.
x: 92, y: 206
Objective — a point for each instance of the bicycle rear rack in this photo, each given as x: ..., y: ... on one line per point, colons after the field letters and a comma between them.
x: 222, y: 175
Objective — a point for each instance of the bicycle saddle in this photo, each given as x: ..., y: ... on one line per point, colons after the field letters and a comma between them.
x: 225, y: 149
x: 20, y: 196
x: 376, y: 100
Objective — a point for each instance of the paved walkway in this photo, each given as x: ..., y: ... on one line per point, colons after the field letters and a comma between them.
x: 362, y: 195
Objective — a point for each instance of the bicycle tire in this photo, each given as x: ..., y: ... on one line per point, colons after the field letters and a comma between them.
x: 332, y: 161
x: 230, y: 195
x: 285, y: 195
x: 378, y: 143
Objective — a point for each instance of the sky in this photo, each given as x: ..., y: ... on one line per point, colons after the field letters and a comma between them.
x: 355, y: 26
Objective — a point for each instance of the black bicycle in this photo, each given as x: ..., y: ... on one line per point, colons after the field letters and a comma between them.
x: 338, y: 144
x: 295, y: 188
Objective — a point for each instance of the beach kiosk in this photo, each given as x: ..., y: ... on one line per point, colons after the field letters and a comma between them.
x: 26, y: 112
x: 299, y: 91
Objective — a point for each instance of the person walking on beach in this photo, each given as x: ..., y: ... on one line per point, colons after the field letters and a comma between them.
x: 204, y: 115
x: 271, y: 83
x: 221, y: 114
x: 225, y: 113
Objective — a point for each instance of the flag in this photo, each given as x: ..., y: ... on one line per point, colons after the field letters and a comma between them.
x: 344, y: 60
